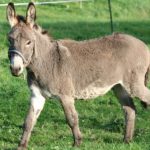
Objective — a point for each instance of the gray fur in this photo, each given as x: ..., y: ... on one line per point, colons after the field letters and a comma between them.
x: 70, y: 69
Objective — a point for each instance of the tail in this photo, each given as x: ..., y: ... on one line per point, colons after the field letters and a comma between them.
x: 147, y: 79
x: 147, y: 76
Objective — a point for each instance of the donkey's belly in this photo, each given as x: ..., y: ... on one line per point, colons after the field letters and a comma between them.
x: 94, y: 90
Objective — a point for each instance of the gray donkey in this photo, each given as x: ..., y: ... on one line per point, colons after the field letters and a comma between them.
x: 73, y: 70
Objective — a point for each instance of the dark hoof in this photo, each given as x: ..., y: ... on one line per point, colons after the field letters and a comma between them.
x: 127, y: 140
x: 77, y: 143
x: 21, y: 148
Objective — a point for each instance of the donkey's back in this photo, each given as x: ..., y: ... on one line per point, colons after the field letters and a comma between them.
x: 99, y: 64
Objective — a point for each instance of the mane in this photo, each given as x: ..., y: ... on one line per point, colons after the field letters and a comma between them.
x: 22, y: 19
x: 42, y: 31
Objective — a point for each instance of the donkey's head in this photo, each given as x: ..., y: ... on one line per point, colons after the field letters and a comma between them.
x: 21, y: 38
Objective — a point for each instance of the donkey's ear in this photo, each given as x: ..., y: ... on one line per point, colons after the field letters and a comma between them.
x: 11, y: 14
x: 31, y: 14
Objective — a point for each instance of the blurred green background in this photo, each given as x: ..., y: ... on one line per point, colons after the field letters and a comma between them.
x: 101, y: 120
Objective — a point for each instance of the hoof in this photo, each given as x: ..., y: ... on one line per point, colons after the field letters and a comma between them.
x: 21, y: 148
x: 127, y: 140
x: 77, y: 143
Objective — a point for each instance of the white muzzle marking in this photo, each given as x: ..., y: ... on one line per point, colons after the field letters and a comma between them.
x: 17, y: 64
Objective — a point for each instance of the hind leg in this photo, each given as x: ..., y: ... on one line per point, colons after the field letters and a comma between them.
x: 138, y: 89
x: 129, y: 110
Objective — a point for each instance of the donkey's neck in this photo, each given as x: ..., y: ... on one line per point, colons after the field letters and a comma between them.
x: 45, y: 60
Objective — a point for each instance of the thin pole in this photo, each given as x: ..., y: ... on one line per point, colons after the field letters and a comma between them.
x: 81, y: 4
x: 111, y: 19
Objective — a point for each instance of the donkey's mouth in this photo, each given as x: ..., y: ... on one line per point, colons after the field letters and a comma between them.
x: 16, y: 74
x: 16, y: 71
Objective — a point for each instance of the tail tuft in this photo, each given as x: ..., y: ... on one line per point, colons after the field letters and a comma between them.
x: 147, y: 79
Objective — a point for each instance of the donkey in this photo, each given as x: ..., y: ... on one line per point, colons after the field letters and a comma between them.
x: 73, y: 70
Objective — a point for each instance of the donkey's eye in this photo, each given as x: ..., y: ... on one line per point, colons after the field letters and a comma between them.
x: 28, y: 43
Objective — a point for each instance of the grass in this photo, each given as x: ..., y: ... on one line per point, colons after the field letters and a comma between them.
x: 101, y: 120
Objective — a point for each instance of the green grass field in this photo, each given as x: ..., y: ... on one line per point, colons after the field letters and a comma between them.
x: 101, y: 120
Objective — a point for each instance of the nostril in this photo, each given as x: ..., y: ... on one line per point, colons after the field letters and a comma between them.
x: 19, y: 68
x: 15, y: 70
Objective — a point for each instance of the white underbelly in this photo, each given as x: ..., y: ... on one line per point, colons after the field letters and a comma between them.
x: 93, y: 91
x: 89, y: 92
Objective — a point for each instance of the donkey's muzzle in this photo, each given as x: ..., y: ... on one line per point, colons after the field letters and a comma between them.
x: 15, y: 70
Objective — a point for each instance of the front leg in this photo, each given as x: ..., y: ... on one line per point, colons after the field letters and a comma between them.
x: 72, y: 118
x: 36, y: 106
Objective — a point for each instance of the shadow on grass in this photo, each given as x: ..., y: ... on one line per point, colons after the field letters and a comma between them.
x: 87, y: 30
x: 114, y: 125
